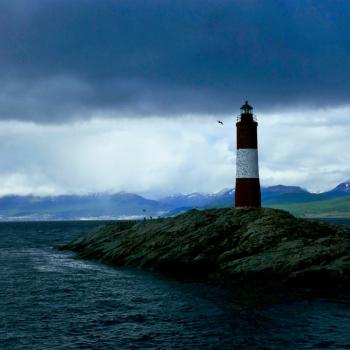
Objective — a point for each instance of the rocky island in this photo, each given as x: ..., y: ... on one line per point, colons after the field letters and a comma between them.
x: 228, y: 245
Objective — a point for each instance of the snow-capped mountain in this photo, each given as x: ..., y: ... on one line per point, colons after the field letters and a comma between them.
x: 192, y: 200
x: 343, y: 187
x: 120, y: 205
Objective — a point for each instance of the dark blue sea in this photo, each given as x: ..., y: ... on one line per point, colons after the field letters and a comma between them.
x: 51, y: 300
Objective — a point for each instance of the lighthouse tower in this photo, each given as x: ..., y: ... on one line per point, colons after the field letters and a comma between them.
x: 247, y: 193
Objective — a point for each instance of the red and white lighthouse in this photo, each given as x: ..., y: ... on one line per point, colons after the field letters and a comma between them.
x: 247, y: 194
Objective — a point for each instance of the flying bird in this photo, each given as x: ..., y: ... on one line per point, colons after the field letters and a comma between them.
x: 220, y: 122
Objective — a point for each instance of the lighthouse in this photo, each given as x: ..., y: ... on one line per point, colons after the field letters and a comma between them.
x: 247, y: 194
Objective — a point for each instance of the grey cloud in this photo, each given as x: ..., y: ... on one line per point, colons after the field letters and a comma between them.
x: 64, y: 59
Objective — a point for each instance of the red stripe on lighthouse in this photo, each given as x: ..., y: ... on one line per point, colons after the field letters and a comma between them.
x: 247, y: 193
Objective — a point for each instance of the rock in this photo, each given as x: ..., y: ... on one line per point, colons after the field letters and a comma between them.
x: 228, y: 244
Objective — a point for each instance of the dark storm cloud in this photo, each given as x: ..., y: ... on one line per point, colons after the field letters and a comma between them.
x: 64, y: 59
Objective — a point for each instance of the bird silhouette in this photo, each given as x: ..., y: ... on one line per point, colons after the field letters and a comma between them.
x: 220, y: 122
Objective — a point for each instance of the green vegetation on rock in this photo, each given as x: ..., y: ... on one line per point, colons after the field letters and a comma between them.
x: 228, y: 244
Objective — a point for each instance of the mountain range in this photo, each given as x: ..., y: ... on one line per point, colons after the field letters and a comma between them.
x: 333, y: 203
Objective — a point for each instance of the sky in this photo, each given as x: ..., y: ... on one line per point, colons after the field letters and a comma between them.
x: 112, y: 95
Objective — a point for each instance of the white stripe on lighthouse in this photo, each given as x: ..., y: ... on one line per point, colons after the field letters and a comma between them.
x: 247, y: 163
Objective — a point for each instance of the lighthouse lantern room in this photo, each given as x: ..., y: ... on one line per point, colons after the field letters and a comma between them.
x: 247, y: 193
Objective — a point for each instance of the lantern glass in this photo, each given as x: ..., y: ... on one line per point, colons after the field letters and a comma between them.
x: 246, y: 108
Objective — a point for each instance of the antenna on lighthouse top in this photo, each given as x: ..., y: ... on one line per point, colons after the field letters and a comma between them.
x: 246, y: 108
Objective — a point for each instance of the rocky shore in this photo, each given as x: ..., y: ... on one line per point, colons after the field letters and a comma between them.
x: 228, y: 245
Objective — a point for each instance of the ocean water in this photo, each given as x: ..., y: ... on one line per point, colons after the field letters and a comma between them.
x: 51, y: 300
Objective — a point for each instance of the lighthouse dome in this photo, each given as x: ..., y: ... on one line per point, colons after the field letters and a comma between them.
x: 246, y: 108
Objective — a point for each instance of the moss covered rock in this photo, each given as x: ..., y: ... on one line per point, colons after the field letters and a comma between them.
x: 228, y: 244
